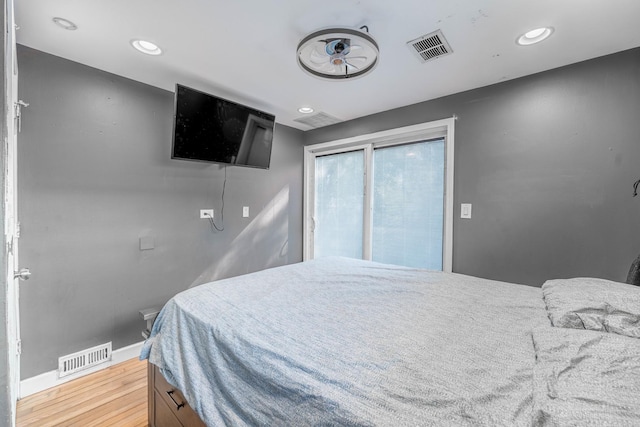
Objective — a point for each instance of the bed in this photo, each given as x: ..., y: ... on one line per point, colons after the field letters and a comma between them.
x: 344, y: 342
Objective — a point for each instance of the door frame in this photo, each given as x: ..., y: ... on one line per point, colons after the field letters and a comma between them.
x: 444, y: 128
x: 10, y: 235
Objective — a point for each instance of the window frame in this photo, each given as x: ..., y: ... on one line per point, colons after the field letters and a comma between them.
x: 444, y: 128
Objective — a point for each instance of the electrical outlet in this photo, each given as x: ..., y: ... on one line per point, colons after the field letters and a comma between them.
x: 245, y: 212
x: 206, y: 213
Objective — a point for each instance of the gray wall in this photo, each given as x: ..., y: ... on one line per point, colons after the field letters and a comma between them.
x: 548, y: 162
x: 95, y: 175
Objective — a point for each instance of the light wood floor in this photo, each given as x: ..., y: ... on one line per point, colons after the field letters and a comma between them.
x: 116, y: 396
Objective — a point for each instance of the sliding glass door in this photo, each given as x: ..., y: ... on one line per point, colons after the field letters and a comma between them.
x: 408, y: 204
x: 339, y: 207
x: 385, y: 199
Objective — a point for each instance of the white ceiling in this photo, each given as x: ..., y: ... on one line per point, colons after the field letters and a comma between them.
x: 245, y: 50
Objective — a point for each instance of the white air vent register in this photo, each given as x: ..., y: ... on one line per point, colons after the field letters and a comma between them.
x: 430, y: 46
x: 84, y: 359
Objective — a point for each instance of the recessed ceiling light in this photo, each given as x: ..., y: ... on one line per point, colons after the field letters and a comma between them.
x: 65, y: 23
x: 305, y: 110
x: 534, y: 36
x: 146, y: 47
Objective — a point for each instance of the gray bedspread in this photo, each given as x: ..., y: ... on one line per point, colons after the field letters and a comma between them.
x: 352, y: 343
x: 586, y: 378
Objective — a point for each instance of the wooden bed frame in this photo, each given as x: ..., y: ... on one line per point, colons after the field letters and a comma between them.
x: 167, y: 405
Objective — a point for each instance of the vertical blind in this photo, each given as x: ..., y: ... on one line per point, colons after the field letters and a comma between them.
x: 339, y: 207
x: 407, y: 214
x: 408, y: 204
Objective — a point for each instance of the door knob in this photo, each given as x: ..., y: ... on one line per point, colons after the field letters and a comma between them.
x: 23, y: 274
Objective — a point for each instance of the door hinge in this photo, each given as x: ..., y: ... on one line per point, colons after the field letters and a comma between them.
x: 19, y: 347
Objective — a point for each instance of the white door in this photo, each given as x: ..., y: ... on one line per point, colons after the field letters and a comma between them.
x: 11, y: 228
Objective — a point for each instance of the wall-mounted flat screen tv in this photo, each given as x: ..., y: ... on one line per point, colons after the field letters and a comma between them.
x: 211, y: 129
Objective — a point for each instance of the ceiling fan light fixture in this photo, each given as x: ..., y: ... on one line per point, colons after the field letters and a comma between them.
x: 146, y: 47
x: 534, y: 36
x: 338, y: 53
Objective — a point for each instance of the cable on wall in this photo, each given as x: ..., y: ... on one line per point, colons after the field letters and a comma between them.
x: 211, y: 221
x: 635, y: 188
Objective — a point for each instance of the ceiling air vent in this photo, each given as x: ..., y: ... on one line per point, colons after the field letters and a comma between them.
x: 318, y: 120
x: 430, y: 46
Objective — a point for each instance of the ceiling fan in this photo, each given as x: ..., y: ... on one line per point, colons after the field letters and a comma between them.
x: 338, y: 53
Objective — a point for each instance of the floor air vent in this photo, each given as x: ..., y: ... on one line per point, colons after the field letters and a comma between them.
x: 318, y: 120
x: 84, y: 359
x: 430, y: 46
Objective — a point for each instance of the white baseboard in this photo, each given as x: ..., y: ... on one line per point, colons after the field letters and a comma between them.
x: 50, y: 379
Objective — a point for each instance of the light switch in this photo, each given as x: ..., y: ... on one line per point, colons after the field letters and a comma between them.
x: 465, y: 210
x: 245, y: 212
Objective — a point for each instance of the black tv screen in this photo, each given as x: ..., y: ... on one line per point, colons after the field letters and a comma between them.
x: 211, y: 129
